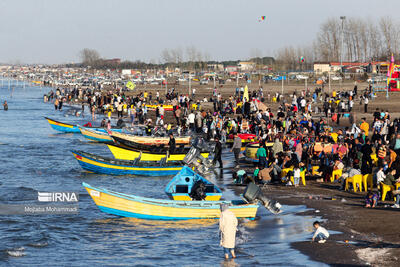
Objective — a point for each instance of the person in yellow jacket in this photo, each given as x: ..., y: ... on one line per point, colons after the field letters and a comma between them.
x: 364, y: 126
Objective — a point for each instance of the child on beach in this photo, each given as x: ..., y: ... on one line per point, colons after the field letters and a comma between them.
x: 296, y: 175
x: 321, y: 234
x: 371, y: 200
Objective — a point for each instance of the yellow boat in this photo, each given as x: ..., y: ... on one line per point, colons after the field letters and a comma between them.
x: 159, y: 209
x: 128, y: 154
x: 250, y: 151
x: 166, y: 107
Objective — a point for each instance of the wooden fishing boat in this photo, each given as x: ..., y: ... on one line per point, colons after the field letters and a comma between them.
x: 71, y: 128
x: 250, y: 151
x: 159, y: 209
x: 184, y: 186
x: 246, y: 139
x: 63, y: 127
x: 103, y: 165
x: 166, y: 107
x: 94, y: 135
x: 159, y: 148
x: 149, y: 140
x: 125, y: 153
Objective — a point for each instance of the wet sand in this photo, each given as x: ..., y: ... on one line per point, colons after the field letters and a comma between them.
x: 367, y: 236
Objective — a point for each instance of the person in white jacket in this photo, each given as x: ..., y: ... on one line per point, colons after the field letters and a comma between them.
x: 228, y: 227
x: 321, y: 234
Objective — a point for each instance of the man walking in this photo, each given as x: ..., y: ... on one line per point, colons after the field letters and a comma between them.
x: 237, y: 145
x: 218, y: 152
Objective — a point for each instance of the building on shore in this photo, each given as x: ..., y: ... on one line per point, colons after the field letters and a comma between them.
x: 350, y: 67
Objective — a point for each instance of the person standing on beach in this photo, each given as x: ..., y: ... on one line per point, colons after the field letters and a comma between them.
x: 171, y: 144
x: 228, y: 227
x: 366, y: 101
x: 237, y: 145
x: 218, y: 152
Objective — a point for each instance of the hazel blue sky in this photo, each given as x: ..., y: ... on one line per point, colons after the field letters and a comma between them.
x: 54, y: 31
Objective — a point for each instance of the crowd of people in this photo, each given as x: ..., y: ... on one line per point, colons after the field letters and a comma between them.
x: 308, y: 128
x: 309, y: 133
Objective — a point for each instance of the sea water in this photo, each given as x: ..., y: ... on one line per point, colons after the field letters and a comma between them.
x: 35, y: 158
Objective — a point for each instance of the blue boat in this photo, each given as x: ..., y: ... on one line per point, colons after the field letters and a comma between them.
x: 71, y: 128
x: 102, y: 165
x: 188, y: 185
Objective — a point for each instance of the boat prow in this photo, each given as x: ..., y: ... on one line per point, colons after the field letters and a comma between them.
x: 62, y: 127
x: 187, y: 185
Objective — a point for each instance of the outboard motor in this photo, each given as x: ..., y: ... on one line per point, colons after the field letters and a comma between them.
x: 253, y: 193
x: 198, y: 191
x: 194, y: 157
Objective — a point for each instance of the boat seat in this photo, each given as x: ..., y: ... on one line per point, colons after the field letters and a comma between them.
x: 182, y: 189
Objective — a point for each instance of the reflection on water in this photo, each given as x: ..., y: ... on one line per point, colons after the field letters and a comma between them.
x: 36, y: 158
x: 134, y: 223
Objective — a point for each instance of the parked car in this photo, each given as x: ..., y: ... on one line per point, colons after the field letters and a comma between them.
x: 203, y: 81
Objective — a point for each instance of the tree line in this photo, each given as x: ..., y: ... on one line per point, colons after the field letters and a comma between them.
x: 351, y: 40
x: 359, y: 40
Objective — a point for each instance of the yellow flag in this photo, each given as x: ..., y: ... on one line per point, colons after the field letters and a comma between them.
x: 130, y: 85
x: 246, y: 94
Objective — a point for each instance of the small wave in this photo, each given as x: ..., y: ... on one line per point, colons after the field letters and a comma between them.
x: 16, y: 252
x: 242, y: 236
x: 19, y: 194
x: 38, y: 244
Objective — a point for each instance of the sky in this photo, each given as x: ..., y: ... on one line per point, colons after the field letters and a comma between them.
x: 54, y: 31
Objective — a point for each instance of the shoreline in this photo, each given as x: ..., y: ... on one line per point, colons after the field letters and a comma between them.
x: 365, y: 238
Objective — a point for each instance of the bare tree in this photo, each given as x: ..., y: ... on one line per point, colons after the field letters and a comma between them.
x: 166, y: 56
x: 387, y: 28
x: 89, y: 56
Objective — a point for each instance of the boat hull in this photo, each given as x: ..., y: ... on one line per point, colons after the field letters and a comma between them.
x: 128, y: 154
x: 158, y: 209
x: 166, y: 107
x: 99, y: 166
x: 97, y: 136
x: 63, y: 127
x: 70, y: 128
x: 148, y: 140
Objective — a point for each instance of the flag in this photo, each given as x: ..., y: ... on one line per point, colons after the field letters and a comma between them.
x: 390, y: 70
x: 130, y: 85
x: 391, y: 67
x: 246, y: 94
